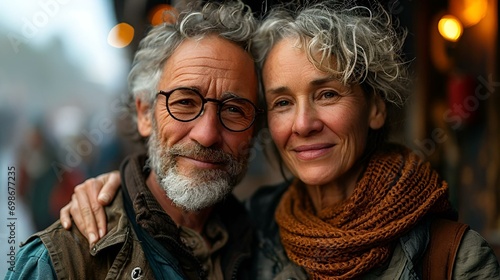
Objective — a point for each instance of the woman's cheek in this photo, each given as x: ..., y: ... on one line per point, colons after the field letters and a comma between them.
x: 280, y: 129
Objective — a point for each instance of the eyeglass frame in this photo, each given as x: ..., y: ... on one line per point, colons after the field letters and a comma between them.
x: 204, y: 100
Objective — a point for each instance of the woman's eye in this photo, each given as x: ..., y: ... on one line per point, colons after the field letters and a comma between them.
x: 327, y: 97
x: 329, y: 94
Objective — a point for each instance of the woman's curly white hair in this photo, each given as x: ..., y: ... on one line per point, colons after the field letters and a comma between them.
x: 364, y: 43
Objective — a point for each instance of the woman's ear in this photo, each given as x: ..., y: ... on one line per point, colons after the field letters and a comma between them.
x: 144, y: 122
x: 378, y: 112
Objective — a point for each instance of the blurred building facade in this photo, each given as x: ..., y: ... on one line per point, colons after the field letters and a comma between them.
x: 455, y: 117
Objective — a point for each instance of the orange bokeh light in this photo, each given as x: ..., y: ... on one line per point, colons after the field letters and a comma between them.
x: 470, y: 12
x: 162, y: 13
x: 121, y: 35
x: 450, y: 28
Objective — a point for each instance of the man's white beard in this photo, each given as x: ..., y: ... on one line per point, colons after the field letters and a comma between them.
x: 200, y: 188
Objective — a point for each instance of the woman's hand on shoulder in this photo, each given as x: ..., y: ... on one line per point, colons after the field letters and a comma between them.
x: 87, y: 205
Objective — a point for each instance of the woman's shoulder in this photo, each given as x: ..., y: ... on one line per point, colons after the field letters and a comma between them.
x: 475, y: 258
x: 456, y: 245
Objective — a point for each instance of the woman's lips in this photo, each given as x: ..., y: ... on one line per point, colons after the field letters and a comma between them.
x: 311, y: 152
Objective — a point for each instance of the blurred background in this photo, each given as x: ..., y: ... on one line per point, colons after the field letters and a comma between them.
x: 63, y: 68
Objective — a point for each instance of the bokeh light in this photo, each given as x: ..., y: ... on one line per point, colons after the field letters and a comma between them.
x: 121, y: 35
x: 450, y: 28
x: 162, y: 13
x: 470, y: 12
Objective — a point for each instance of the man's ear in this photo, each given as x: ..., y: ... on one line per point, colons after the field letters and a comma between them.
x: 378, y: 112
x: 144, y: 122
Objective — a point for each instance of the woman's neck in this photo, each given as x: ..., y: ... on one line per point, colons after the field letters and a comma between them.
x: 325, y: 196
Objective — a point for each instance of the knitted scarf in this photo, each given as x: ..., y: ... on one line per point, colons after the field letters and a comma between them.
x: 347, y: 240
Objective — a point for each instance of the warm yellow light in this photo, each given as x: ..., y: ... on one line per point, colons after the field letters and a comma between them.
x: 450, y: 28
x: 162, y: 13
x: 121, y: 35
x: 470, y: 12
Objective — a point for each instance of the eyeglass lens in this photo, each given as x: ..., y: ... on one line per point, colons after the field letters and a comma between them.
x: 236, y: 114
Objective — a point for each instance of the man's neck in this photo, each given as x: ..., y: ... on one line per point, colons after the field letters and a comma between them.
x: 194, y: 220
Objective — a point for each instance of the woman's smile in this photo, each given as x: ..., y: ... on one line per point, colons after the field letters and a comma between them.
x: 312, y: 151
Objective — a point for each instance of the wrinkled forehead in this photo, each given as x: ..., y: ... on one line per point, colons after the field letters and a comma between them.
x: 212, y: 65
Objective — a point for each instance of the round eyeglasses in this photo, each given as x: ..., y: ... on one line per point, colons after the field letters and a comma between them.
x: 235, y: 113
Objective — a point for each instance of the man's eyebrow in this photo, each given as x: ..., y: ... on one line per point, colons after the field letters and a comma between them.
x: 225, y: 95
x: 228, y: 94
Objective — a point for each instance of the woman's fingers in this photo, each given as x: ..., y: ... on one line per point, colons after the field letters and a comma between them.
x: 86, y: 208
x: 111, y: 183
x: 65, y: 216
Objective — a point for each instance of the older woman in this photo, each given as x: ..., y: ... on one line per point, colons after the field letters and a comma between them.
x: 358, y: 206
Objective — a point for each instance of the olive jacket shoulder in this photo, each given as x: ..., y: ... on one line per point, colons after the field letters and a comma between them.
x: 475, y: 258
x: 66, y: 254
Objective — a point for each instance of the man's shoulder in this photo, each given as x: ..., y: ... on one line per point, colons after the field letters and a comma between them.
x: 115, y: 211
x: 56, y: 233
x: 64, y: 251
x: 35, y: 257
x: 32, y: 261
x: 34, y: 248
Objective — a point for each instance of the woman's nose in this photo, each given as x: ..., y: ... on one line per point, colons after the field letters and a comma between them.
x: 306, y: 121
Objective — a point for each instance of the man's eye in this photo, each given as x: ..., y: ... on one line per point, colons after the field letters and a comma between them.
x: 233, y: 110
x: 282, y: 103
x: 183, y: 102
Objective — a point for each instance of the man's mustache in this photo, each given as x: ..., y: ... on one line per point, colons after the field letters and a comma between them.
x: 198, y: 152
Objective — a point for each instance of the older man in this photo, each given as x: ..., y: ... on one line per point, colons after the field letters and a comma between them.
x: 194, y: 88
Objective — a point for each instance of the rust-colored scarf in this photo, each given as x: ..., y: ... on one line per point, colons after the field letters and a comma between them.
x: 396, y: 190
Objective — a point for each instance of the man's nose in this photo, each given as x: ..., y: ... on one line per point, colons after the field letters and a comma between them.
x: 207, y: 129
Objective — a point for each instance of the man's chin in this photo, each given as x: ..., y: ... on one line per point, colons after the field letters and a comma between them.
x: 196, y: 192
x: 195, y: 202
x: 195, y: 208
